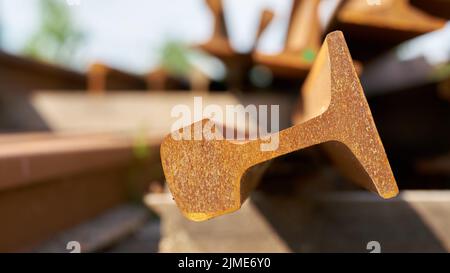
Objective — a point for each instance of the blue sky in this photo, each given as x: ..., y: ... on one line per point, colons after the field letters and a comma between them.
x: 128, y: 33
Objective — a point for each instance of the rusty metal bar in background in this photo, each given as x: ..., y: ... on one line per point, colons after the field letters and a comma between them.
x: 373, y: 29
x: 206, y: 176
x: 439, y: 8
x: 51, y: 182
x: 302, y: 43
x: 219, y: 45
x: 19, y: 74
x: 394, y: 19
x: 102, y: 78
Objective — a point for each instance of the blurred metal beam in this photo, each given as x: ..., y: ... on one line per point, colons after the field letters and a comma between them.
x: 219, y: 45
x: 26, y: 159
x: 20, y: 74
x: 51, y: 182
x: 302, y: 42
x: 439, y: 8
x: 102, y: 78
x: 389, y: 19
x: 436, y: 166
x: 374, y: 27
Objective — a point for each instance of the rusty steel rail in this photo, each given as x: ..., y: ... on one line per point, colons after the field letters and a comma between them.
x: 50, y: 182
x: 29, y: 158
x: 206, y: 176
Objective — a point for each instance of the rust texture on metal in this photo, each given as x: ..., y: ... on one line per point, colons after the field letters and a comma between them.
x: 205, y: 176
x: 396, y: 19
x: 302, y: 42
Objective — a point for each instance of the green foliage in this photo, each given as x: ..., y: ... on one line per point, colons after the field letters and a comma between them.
x: 174, y: 58
x: 56, y: 39
x: 141, y: 149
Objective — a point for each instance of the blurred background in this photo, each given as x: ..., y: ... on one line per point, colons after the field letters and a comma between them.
x: 86, y: 92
